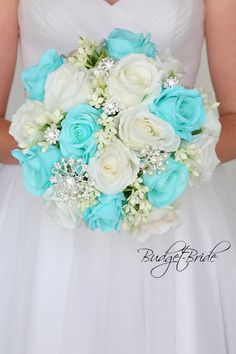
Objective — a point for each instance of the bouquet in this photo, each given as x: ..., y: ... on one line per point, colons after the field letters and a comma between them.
x: 110, y: 137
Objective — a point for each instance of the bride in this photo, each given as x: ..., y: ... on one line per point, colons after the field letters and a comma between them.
x: 84, y: 292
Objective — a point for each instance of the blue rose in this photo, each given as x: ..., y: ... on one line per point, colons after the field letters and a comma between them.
x: 121, y: 42
x: 77, y: 135
x: 182, y: 108
x: 106, y: 214
x: 37, y: 167
x: 34, y: 78
x: 166, y: 187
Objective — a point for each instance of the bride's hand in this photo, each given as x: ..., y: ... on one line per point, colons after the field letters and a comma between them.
x: 8, y: 49
x: 226, y: 147
x: 7, y: 143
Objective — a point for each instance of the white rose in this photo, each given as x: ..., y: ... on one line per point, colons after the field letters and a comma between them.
x: 212, y: 125
x: 170, y: 64
x: 138, y: 127
x: 28, y: 122
x: 134, y: 79
x: 66, y: 215
x: 206, y: 146
x: 114, y: 168
x: 161, y: 221
x: 67, y: 87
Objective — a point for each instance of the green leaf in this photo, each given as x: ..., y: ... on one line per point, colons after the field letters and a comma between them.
x: 196, y: 132
x: 96, y: 56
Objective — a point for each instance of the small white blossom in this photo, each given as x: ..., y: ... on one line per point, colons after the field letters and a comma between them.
x: 55, y: 117
x: 107, y: 134
x: 85, y: 49
x: 99, y: 86
x: 138, y: 208
x: 189, y: 155
x: 208, y: 100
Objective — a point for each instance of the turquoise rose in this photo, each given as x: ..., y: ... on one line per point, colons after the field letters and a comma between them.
x: 166, y: 187
x: 121, y: 42
x: 182, y: 108
x: 106, y: 214
x: 77, y: 135
x: 34, y: 78
x: 37, y: 167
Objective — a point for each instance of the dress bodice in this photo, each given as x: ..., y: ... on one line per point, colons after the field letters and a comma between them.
x: 174, y: 24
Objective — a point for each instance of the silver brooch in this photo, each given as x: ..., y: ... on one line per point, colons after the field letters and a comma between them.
x: 71, y: 181
x: 171, y: 81
x: 154, y: 160
x: 51, y: 134
x: 111, y: 108
x: 106, y: 65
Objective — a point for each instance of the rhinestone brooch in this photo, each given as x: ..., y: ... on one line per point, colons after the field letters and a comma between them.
x: 153, y: 160
x: 111, y: 108
x: 71, y: 181
x: 51, y: 134
x: 106, y: 65
x: 171, y: 82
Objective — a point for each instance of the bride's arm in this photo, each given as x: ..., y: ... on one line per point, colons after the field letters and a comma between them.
x: 8, y: 50
x: 220, y: 30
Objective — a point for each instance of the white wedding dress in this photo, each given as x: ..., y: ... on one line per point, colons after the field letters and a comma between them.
x: 89, y: 293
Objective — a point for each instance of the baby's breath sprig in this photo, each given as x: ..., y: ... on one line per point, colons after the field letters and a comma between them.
x: 88, y: 54
x: 208, y: 100
x: 108, y: 132
x: 80, y: 57
x: 87, y: 203
x: 138, y: 208
x: 56, y: 117
x: 48, y: 118
x: 189, y: 155
x: 100, y: 90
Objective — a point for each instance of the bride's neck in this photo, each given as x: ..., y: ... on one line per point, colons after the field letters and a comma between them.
x: 111, y: 2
